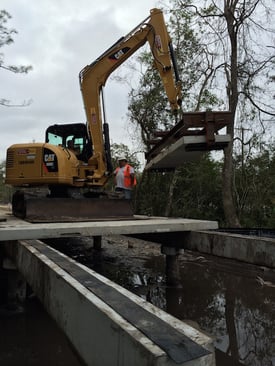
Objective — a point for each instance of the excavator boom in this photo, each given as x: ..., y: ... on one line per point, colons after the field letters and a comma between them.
x: 94, y: 76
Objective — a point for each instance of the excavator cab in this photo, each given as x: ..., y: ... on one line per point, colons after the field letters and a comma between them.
x: 76, y: 133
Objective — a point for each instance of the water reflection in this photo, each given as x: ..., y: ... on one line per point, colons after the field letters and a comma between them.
x: 229, y: 304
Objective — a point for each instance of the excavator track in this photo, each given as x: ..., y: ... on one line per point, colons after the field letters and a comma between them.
x: 37, y: 209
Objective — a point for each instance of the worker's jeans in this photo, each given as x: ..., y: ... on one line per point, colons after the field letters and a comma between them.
x: 127, y: 192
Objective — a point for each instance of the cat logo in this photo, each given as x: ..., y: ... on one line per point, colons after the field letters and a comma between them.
x: 49, y: 157
x: 120, y: 53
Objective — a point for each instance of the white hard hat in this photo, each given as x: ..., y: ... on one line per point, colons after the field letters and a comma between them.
x: 123, y: 157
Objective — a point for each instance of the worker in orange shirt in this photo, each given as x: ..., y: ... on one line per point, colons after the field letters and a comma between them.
x: 125, y: 179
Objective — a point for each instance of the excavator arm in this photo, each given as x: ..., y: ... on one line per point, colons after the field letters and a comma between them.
x: 94, y: 76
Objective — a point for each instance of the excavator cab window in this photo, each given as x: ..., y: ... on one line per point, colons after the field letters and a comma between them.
x: 79, y: 144
x: 54, y: 139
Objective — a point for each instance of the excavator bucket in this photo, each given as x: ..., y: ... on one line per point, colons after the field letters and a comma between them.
x: 43, y: 209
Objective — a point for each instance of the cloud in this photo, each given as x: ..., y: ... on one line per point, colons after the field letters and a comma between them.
x: 58, y: 38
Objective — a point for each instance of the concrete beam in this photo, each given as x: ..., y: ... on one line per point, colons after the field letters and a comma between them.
x: 182, y: 151
x: 105, y: 323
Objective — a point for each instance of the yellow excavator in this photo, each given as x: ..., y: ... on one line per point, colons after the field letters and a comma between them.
x: 75, y: 178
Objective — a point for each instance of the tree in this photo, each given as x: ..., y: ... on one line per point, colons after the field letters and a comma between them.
x: 6, y: 38
x: 118, y: 150
x: 241, y: 38
x: 229, y: 65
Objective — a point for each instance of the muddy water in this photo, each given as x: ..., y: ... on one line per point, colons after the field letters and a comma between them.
x: 29, y: 337
x: 230, y: 301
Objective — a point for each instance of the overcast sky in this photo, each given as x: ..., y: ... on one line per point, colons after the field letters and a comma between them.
x: 58, y: 38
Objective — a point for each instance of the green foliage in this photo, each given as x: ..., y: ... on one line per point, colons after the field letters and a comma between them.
x: 255, y: 189
x: 210, y: 10
x: 196, y: 191
x: 5, y: 190
x: 208, y: 100
x: 118, y: 150
x: 152, y: 193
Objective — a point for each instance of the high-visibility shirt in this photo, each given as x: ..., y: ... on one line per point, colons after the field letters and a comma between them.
x: 123, y: 177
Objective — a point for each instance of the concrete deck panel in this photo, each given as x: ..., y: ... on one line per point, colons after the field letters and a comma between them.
x: 97, y: 329
x: 16, y: 229
x: 176, y: 154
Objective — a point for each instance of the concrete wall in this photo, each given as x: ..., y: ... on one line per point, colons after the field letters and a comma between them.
x: 249, y: 249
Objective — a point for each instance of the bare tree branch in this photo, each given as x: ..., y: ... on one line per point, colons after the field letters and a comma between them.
x: 256, y: 105
x: 17, y: 69
x: 7, y: 103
